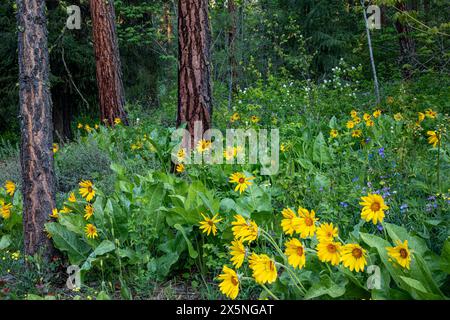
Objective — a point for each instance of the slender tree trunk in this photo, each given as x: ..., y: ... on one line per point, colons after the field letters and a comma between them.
x: 406, y: 42
x: 107, y: 57
x: 232, y: 63
x: 372, y: 60
x: 38, y: 180
x: 168, y: 23
x: 194, y: 69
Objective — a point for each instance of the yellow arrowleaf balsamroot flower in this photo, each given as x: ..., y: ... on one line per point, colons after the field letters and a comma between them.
x: 398, y: 116
x: 264, y: 269
x: 181, y: 155
x: 54, y: 213
x: 326, y: 232
x: 65, y: 210
x: 353, y: 257
x: 366, y: 117
x: 254, y: 119
x: 373, y: 208
x: 400, y: 253
x: 307, y: 223
x: 244, y: 230
x: 88, y: 128
x: 208, y: 225
x: 229, y: 153
x: 295, y: 253
x: 87, y: 190
x: 356, y: 133
x: 420, y: 116
x: 230, y: 283
x: 179, y: 168
x: 91, y: 231
x: 117, y: 121
x: 242, y: 182
x: 203, y: 145
x: 357, y: 120
x: 377, y: 113
x: 434, y: 138
x: 80, y: 126
x: 238, y: 253
x: 55, y: 148
x: 5, y: 209
x: 329, y: 251
x: 429, y: 113
x: 350, y: 124
x: 10, y: 187
x: 334, y: 133
x: 370, y: 123
x: 353, y: 113
x: 88, y: 211
x: 291, y: 221
x: 72, y: 197
x: 235, y: 117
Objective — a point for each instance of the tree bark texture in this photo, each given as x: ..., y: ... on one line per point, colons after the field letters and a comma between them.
x: 406, y: 42
x: 107, y: 60
x: 232, y: 51
x: 194, y: 69
x: 38, y: 179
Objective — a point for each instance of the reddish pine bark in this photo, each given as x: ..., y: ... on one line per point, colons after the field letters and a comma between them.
x: 38, y: 180
x: 107, y: 59
x: 194, y: 42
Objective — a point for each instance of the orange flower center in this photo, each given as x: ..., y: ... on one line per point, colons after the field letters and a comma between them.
x: 300, y: 251
x: 331, y: 248
x: 234, y: 281
x: 357, y: 253
x: 309, y: 222
x: 210, y: 222
x: 90, y: 189
x: 375, y: 206
x: 271, y: 266
x: 241, y: 180
x: 403, y: 253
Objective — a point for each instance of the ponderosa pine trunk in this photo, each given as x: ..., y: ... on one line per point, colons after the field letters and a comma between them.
x: 107, y: 60
x: 194, y: 83
x: 406, y: 42
x: 232, y: 51
x: 38, y: 179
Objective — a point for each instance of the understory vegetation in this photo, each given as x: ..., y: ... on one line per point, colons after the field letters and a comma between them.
x: 359, y: 208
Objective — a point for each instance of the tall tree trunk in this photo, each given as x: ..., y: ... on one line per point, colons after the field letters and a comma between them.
x: 194, y: 83
x: 406, y: 42
x: 107, y: 58
x: 38, y: 179
x: 168, y: 23
x: 232, y: 63
x: 372, y: 60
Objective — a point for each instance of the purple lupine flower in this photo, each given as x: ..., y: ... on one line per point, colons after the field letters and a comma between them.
x: 343, y: 204
x: 380, y: 227
x: 403, y: 207
x: 355, y: 179
x: 381, y: 152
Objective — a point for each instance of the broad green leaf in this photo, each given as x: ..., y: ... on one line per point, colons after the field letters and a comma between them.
x: 5, y: 241
x: 445, y: 256
x: 192, y: 253
x: 104, y: 247
x: 69, y: 242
